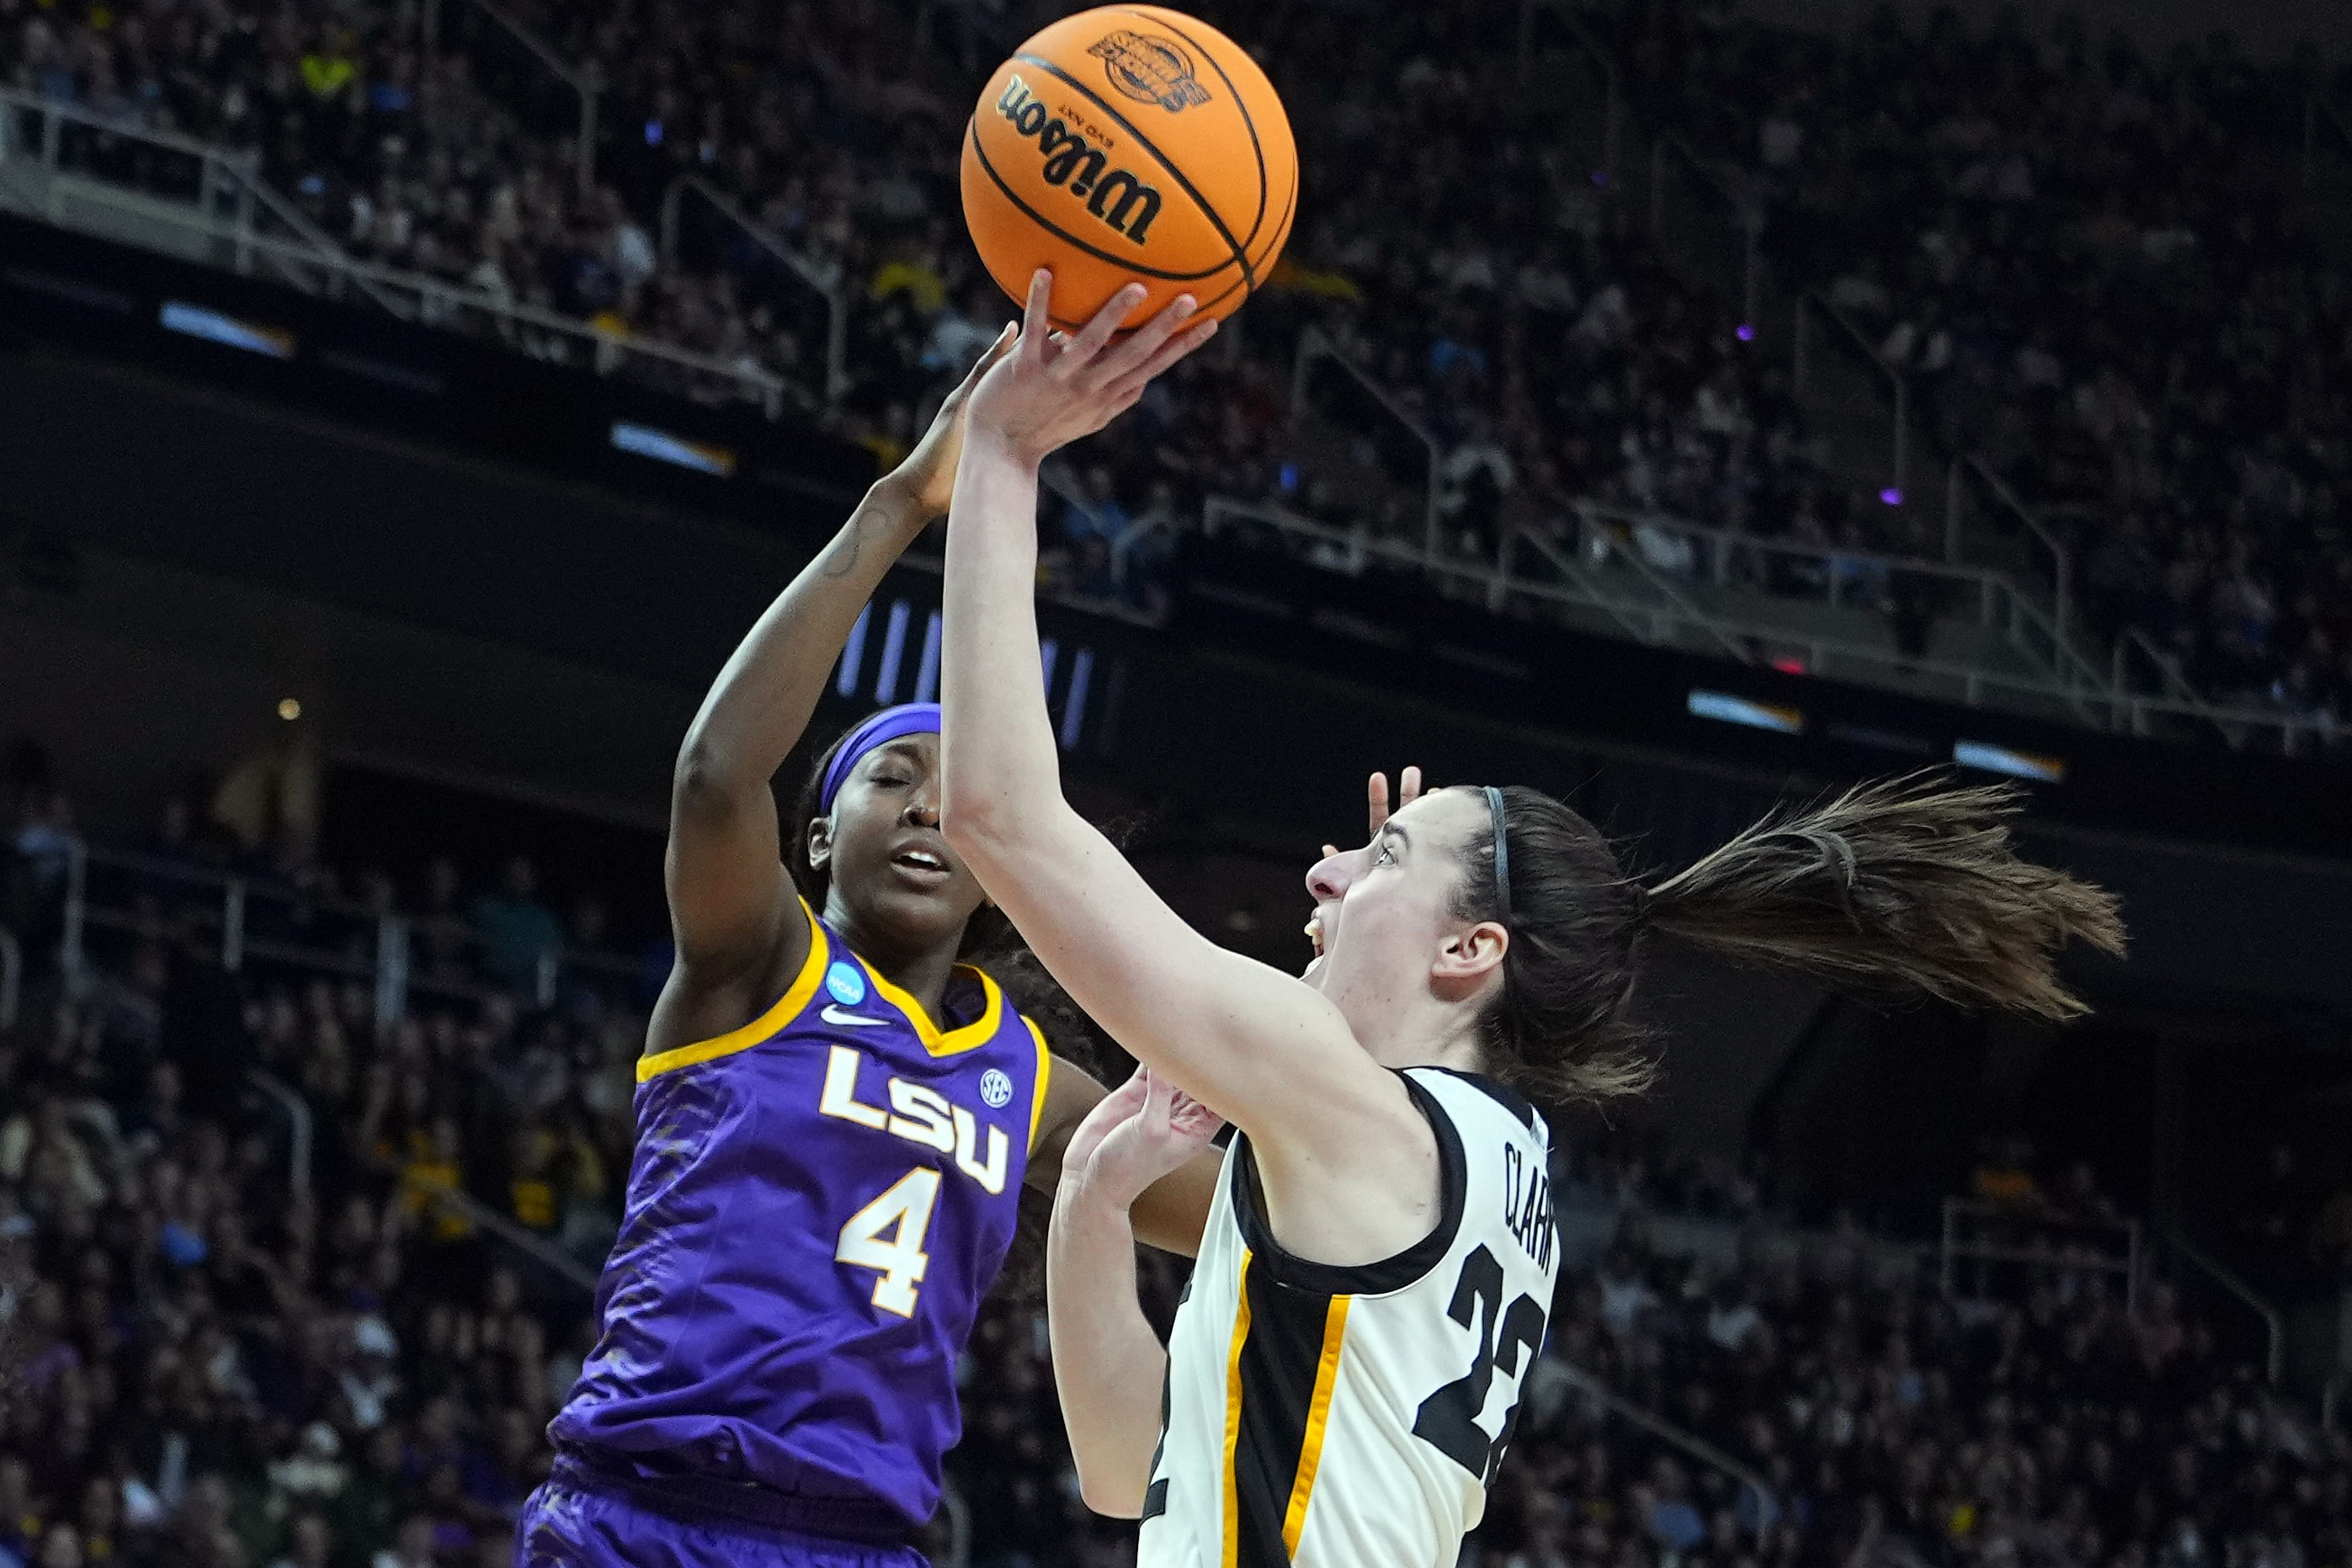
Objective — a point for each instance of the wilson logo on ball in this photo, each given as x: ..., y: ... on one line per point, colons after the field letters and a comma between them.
x: 1118, y: 198
x: 1150, y: 69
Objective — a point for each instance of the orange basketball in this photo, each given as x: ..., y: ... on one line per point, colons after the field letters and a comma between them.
x: 1130, y: 143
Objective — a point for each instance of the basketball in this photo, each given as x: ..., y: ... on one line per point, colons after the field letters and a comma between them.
x: 1130, y: 143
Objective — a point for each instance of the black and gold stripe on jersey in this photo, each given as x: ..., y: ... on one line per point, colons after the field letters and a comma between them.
x: 1285, y: 1364
x: 1290, y: 1326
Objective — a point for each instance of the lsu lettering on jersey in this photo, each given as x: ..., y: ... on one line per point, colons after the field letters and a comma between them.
x: 1351, y: 1417
x: 817, y: 1203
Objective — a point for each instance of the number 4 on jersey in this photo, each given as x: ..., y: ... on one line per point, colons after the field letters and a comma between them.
x: 1448, y: 1419
x: 905, y: 1211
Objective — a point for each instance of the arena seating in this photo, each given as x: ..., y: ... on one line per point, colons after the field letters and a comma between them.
x: 1514, y: 342
x: 2102, y: 273
x: 298, y: 1277
x: 2118, y: 280
x: 2114, y: 296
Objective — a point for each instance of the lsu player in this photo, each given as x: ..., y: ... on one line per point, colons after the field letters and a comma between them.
x: 835, y: 1122
x: 1375, y: 1280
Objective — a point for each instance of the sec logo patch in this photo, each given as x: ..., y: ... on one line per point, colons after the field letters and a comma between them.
x: 995, y: 1088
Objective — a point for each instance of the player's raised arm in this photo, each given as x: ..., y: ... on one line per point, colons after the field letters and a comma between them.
x: 1108, y: 1364
x: 729, y: 894
x: 1252, y: 1043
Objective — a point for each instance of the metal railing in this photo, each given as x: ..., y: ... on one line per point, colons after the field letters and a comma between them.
x: 1602, y: 545
x: 2063, y: 621
x: 1837, y: 577
x: 298, y: 1120
x: 1055, y: 476
x: 1720, y: 224
x: 957, y: 1552
x: 531, y: 1245
x: 1620, y: 598
x: 73, y: 957
x: 2048, y: 548
x: 2235, y: 1285
x: 2134, y: 651
x: 1626, y: 616
x: 2057, y: 620
x: 1768, y: 1510
x: 1843, y: 333
x: 825, y: 279
x: 1727, y: 558
x: 584, y: 80
x: 1989, y: 1236
x: 1612, y: 91
x: 373, y: 945
x: 1314, y: 345
x: 64, y: 144
x: 1669, y: 616
x: 302, y: 255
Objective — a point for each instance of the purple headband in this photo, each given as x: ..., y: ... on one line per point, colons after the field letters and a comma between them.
x: 879, y: 729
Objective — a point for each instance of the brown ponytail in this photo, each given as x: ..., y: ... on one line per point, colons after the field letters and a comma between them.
x: 1895, y: 889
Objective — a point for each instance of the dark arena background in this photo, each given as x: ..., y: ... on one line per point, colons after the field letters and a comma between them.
x: 1680, y: 405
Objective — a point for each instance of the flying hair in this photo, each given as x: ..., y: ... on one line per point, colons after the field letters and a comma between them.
x: 1894, y: 889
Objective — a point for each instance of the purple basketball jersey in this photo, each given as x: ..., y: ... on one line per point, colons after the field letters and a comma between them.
x: 817, y: 1204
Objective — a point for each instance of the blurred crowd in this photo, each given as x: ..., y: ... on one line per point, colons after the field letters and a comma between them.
x: 289, y: 1278
x: 1890, y: 1425
x: 2104, y: 274
x: 2119, y: 281
x: 1828, y: 1407
x: 1522, y: 321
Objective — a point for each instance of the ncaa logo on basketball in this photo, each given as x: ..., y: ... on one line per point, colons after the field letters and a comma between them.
x: 995, y: 1088
x: 1150, y: 69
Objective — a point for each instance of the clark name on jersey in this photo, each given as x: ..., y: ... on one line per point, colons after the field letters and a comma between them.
x: 1351, y: 1417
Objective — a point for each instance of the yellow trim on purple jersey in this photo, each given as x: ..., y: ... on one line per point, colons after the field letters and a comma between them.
x: 813, y: 1220
x: 978, y: 1032
x: 765, y: 1026
x: 1044, y: 1076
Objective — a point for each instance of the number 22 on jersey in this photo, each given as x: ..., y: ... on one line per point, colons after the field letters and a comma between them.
x: 1448, y: 1419
x: 904, y: 1212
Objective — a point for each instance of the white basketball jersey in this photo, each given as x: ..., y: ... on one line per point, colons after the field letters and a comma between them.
x: 1351, y: 1417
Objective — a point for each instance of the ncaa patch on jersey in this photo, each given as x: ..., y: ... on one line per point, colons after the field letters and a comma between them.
x: 845, y: 984
x: 995, y: 1088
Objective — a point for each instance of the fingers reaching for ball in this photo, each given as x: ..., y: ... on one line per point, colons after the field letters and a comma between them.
x: 1055, y: 387
x: 1082, y: 350
x: 1096, y: 356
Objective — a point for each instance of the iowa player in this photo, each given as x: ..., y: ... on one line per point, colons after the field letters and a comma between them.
x: 1373, y: 1280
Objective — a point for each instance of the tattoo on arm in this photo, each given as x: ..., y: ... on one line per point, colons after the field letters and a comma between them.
x: 875, y: 515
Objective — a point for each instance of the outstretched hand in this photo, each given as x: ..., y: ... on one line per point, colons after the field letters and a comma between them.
x: 1051, y: 389
x: 928, y: 471
x: 1376, y: 801
x: 1137, y: 1134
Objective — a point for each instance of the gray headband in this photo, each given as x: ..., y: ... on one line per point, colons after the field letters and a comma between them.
x: 1502, y: 853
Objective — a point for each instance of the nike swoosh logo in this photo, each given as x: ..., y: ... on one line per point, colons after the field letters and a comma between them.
x: 850, y: 1020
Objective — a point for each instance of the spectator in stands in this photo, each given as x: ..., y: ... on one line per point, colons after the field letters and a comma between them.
x: 363, y: 1387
